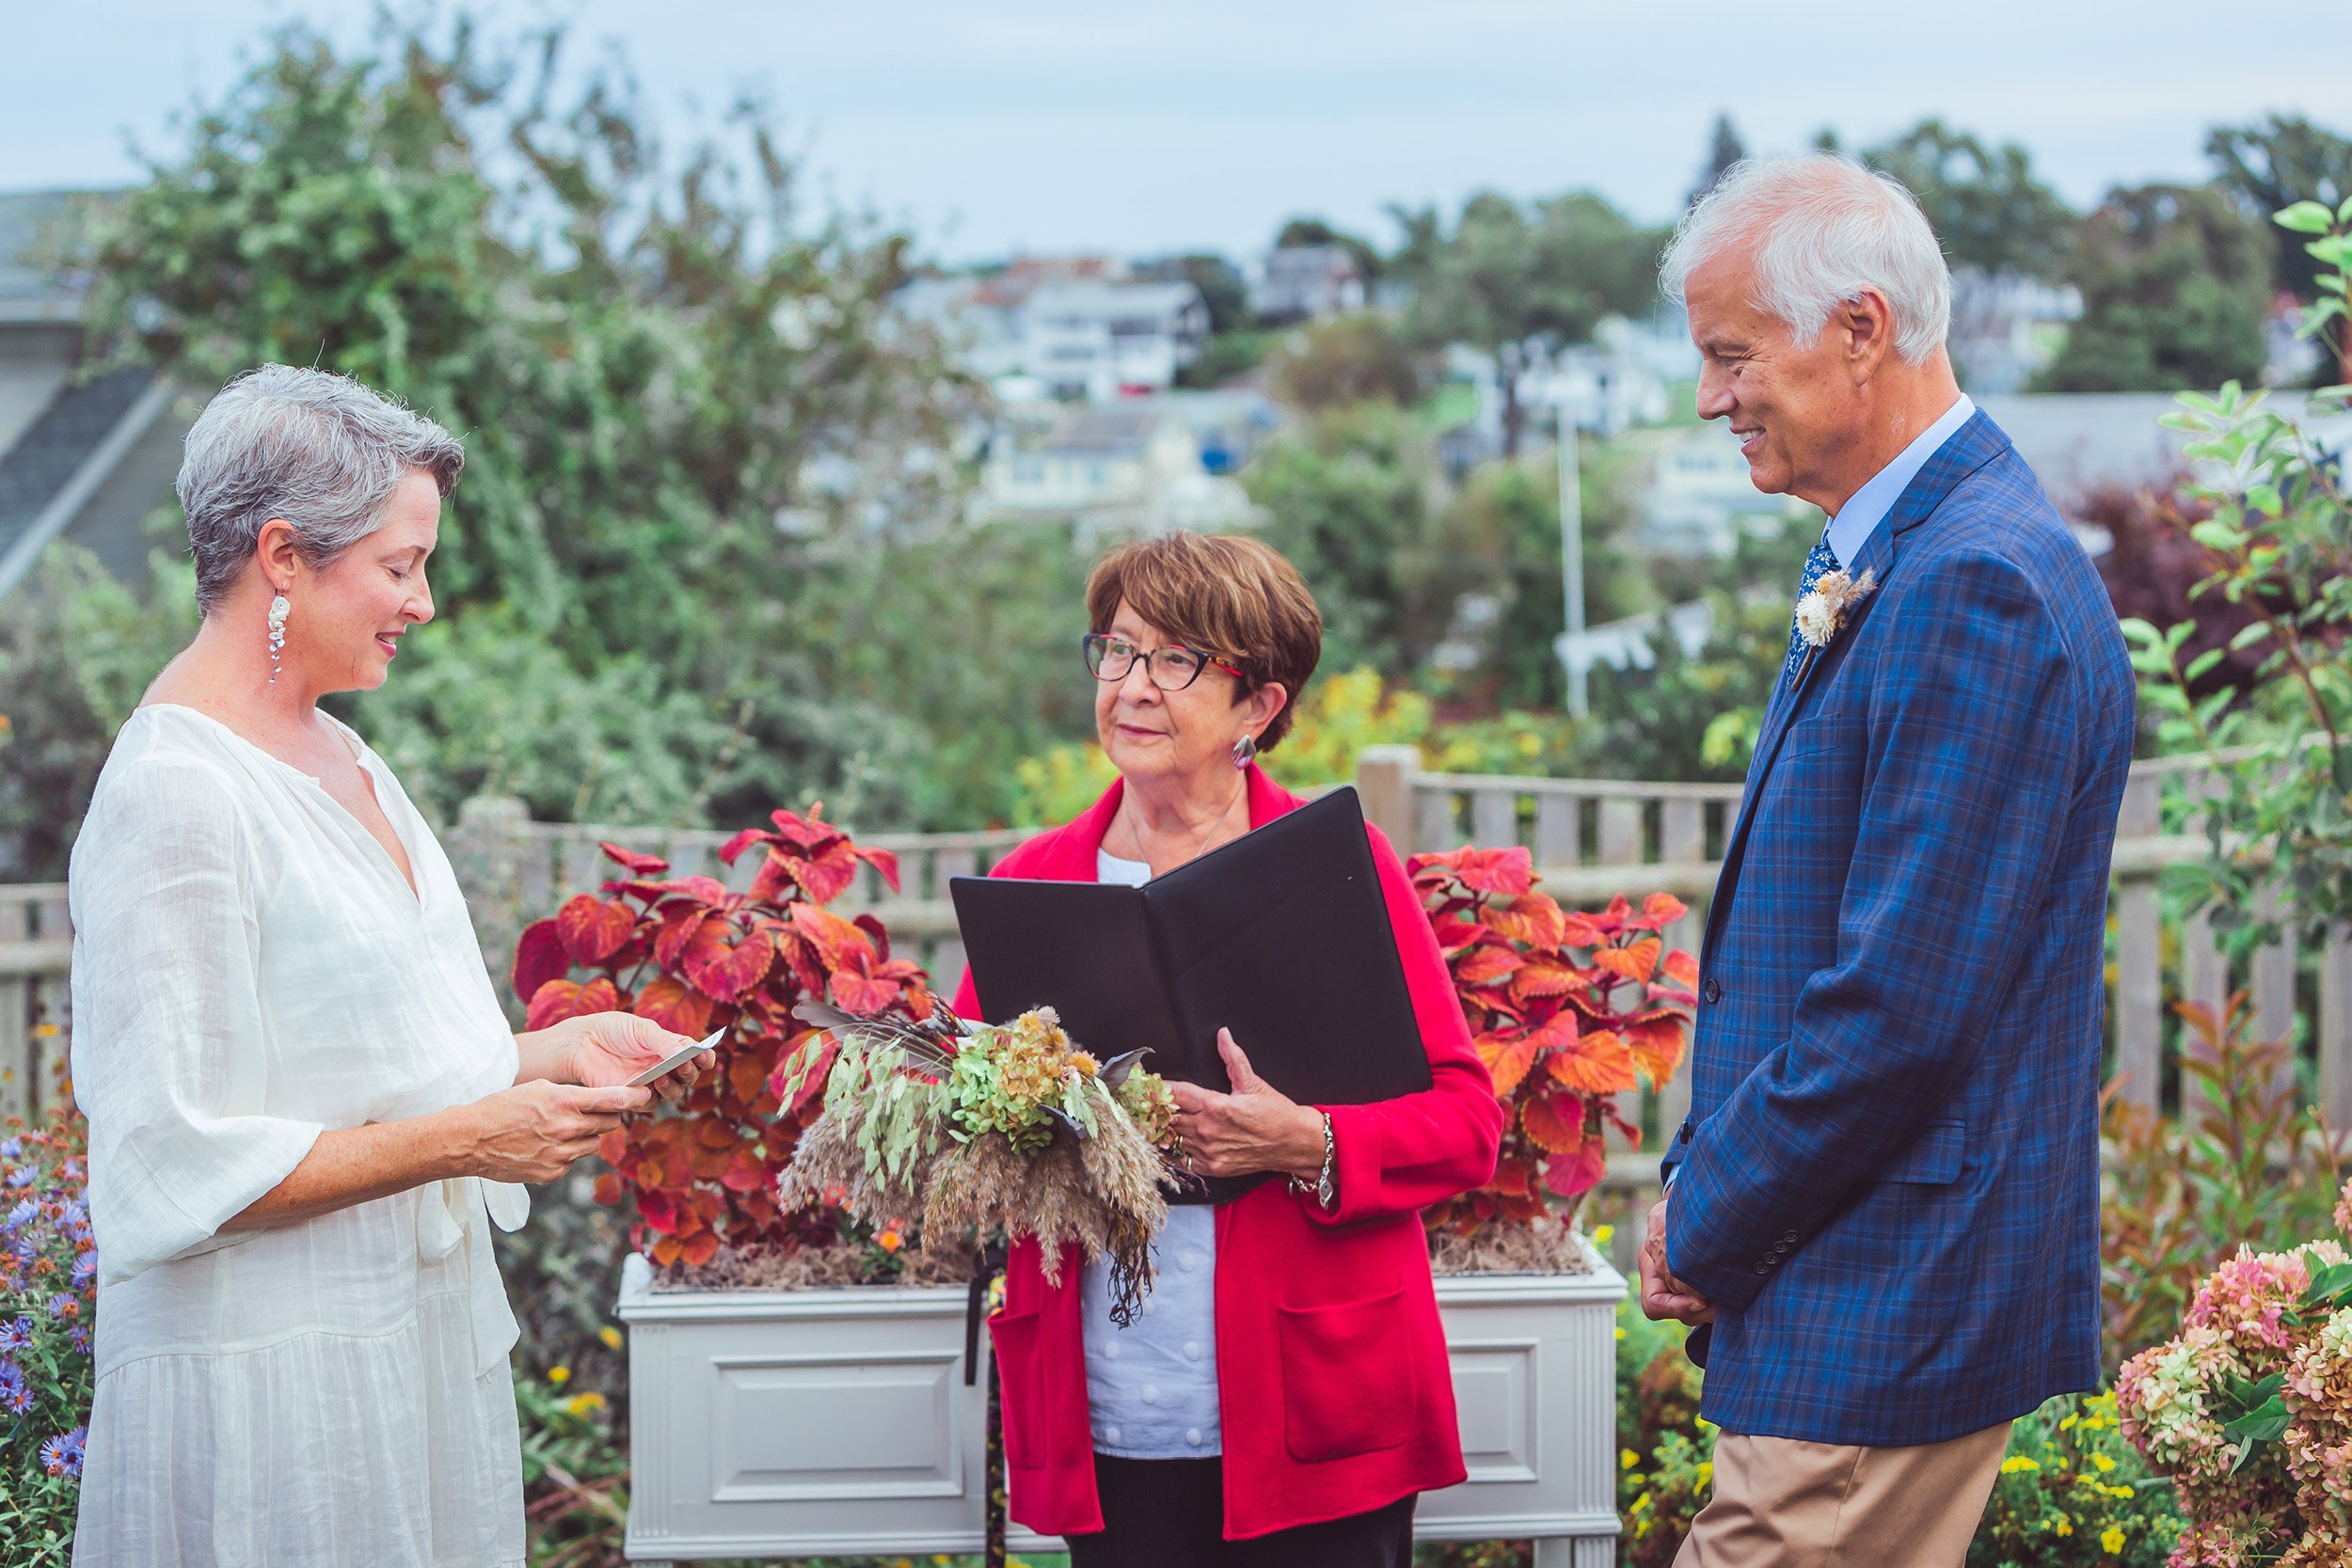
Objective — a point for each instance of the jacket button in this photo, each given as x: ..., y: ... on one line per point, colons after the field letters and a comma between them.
x: 1714, y: 991
x: 1788, y: 1236
x: 1763, y: 1268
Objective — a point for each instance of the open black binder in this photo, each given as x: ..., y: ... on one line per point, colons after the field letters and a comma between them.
x: 1281, y: 936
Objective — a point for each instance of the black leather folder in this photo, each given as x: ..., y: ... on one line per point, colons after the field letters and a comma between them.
x: 1281, y: 936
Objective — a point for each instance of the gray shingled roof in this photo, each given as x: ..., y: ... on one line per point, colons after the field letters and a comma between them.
x: 58, y: 443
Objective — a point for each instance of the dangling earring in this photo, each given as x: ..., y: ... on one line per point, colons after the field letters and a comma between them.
x: 279, y: 610
x: 1245, y: 750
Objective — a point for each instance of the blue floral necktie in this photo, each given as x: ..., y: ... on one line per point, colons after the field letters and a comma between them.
x: 1817, y: 564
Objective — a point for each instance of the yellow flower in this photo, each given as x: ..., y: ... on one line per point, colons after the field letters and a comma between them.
x: 2103, y: 1462
x: 610, y: 1335
x: 2112, y: 1539
x: 1627, y: 1459
x: 579, y: 1404
x: 2067, y: 1424
x: 558, y: 1375
x: 1621, y: 1333
x: 1604, y: 1234
x: 2064, y: 1526
x: 2016, y: 1463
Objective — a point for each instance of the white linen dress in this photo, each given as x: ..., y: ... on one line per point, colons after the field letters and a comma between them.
x: 249, y: 968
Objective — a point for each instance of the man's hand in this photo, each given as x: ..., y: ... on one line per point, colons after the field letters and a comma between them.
x: 1255, y: 1128
x: 1663, y: 1295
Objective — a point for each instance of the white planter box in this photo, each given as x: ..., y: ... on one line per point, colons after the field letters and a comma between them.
x: 780, y: 1424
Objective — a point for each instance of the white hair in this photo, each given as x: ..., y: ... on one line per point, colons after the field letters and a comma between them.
x: 1822, y: 229
x: 317, y: 449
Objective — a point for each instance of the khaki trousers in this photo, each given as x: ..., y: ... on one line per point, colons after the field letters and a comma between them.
x: 1780, y: 1503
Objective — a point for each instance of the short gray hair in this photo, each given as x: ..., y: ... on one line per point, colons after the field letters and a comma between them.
x: 317, y: 449
x: 1823, y: 229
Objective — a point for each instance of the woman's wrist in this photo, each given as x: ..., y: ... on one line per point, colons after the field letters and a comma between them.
x: 455, y: 1145
x: 546, y: 1054
x: 1305, y: 1146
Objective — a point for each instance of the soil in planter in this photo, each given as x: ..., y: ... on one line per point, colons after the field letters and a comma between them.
x: 775, y: 1267
x: 1509, y: 1248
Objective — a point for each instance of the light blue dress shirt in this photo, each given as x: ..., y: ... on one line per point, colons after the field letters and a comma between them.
x: 1152, y: 1387
x: 1868, y: 507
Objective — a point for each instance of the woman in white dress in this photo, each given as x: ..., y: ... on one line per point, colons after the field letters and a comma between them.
x: 306, y: 1107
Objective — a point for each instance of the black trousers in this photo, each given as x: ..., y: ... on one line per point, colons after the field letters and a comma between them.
x: 1171, y: 1512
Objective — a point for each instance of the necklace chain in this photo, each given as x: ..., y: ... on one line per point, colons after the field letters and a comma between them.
x: 1134, y: 829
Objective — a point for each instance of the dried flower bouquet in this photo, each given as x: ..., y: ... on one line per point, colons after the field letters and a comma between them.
x: 992, y: 1129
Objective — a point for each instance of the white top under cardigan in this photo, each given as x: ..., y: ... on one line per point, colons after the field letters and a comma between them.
x: 1152, y: 1387
x: 249, y: 968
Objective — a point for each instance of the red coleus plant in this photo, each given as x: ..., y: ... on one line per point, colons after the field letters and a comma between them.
x: 693, y: 956
x: 1568, y: 1010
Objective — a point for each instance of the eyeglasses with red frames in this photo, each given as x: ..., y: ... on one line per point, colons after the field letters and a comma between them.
x: 1171, y: 667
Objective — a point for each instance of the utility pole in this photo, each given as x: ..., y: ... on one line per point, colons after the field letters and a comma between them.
x: 1572, y: 555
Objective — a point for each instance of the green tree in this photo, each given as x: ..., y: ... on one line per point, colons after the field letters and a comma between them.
x: 708, y: 532
x: 2274, y: 164
x: 1723, y: 149
x: 2175, y: 283
x: 1983, y: 202
x: 1519, y: 281
x: 1345, y: 359
x: 1352, y: 499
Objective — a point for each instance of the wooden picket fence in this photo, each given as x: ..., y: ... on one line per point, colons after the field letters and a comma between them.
x: 1591, y: 839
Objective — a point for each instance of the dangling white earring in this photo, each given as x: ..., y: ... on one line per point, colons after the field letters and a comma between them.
x: 1245, y: 750
x: 279, y: 610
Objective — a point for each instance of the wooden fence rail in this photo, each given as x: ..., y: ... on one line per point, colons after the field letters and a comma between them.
x: 1590, y: 838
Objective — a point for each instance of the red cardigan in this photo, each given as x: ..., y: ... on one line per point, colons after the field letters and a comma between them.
x: 1332, y: 1376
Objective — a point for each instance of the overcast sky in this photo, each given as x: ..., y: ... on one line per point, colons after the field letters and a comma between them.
x: 1137, y: 126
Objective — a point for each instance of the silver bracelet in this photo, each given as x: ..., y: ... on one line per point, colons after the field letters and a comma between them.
x: 1323, y: 1190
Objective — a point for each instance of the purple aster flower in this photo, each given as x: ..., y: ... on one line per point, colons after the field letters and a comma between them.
x: 80, y: 1338
x: 61, y: 1455
x: 15, y: 1398
x: 25, y: 1212
x: 63, y: 1305
x: 16, y: 1335
x: 12, y: 1149
x: 24, y: 1175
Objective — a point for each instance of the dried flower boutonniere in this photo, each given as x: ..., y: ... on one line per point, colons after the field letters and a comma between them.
x: 1822, y: 613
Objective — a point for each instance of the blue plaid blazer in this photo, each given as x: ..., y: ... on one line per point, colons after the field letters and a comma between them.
x: 1889, y: 1181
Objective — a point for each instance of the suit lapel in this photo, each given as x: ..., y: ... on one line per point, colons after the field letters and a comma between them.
x: 1971, y: 446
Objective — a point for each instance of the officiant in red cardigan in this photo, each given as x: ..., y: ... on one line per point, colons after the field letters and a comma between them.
x: 1283, y: 1396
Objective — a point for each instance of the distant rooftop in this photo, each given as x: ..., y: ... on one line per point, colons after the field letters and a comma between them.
x: 26, y: 219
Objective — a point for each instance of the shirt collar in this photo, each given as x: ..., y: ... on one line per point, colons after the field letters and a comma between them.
x: 1868, y: 507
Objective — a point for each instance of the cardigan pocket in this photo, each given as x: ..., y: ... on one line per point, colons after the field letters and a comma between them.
x: 1349, y: 1380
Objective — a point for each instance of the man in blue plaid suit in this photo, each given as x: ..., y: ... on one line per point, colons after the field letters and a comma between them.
x: 1882, y: 1210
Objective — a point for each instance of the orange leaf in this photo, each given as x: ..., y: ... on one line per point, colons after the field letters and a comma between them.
x: 1485, y: 964
x: 1508, y: 872
x: 1598, y: 1062
x: 1507, y: 1060
x: 665, y: 1251
x: 560, y: 999
x: 594, y: 928
x: 1543, y: 978
x: 1665, y: 908
x: 608, y: 1191
x: 1682, y: 969
x: 1635, y: 961
x: 1581, y: 930
x: 1655, y: 1045
x: 1555, y: 1123
x: 669, y: 1004
x: 723, y: 971
x: 1532, y: 918
x: 743, y: 1173
x: 697, y: 1250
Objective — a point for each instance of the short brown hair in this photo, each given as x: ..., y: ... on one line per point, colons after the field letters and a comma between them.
x: 1223, y: 595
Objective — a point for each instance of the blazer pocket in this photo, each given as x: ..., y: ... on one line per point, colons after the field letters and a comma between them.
x: 1349, y: 1382
x: 1934, y: 1157
x: 1021, y: 1402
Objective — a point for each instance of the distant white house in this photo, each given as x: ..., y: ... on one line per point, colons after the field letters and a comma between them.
x: 1303, y: 282
x: 1126, y: 467
x: 1623, y: 379
x: 1077, y: 327
x: 1697, y: 496
x: 1101, y: 341
x: 2007, y: 327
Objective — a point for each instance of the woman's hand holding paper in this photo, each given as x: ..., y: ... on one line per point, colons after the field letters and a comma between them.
x: 1255, y: 1128
x: 608, y: 1050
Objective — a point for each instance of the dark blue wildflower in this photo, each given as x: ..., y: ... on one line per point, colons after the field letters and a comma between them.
x: 61, y: 1455
x: 15, y: 1397
x: 24, y: 1176
x: 25, y: 1212
x: 16, y: 1335
x: 12, y: 1149
x: 80, y: 1338
x: 63, y: 1305
x: 85, y: 1270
